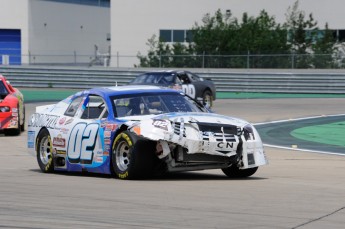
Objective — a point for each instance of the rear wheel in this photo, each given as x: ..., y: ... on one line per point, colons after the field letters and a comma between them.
x: 44, y: 150
x: 132, y: 157
x: 234, y: 172
x: 22, y: 126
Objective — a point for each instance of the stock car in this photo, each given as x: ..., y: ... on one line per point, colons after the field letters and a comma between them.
x: 190, y: 83
x: 136, y: 132
x: 12, y: 110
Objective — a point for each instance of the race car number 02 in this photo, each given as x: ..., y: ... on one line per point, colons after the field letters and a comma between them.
x: 81, y: 146
x: 189, y: 89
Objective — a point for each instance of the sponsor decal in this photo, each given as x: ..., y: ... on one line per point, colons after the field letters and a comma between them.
x: 14, y: 109
x: 69, y: 121
x: 104, y: 124
x: 106, y: 154
x: 59, y: 141
x: 123, y: 175
x: 107, y: 134
x: 110, y: 127
x: 62, y: 120
x: 31, y: 139
x: 59, y: 152
x: 15, y: 114
x: 225, y: 145
x: 39, y: 120
x: 107, y: 141
x: 64, y: 130
x: 160, y: 123
x: 13, y: 123
x: 99, y: 159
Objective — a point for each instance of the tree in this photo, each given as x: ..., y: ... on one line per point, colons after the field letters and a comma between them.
x: 223, y: 34
x: 159, y: 54
x: 302, y: 33
x: 324, y: 49
x: 223, y: 41
x: 162, y: 54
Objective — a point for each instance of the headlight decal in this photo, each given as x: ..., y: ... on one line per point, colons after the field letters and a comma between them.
x: 5, y: 109
x: 248, y: 132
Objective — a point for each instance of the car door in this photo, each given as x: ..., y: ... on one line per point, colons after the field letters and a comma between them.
x: 187, y: 86
x: 84, y: 142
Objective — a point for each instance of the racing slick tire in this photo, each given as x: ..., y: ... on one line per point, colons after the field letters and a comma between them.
x: 234, y: 172
x: 22, y: 126
x: 207, y: 98
x: 44, y: 151
x: 132, y: 157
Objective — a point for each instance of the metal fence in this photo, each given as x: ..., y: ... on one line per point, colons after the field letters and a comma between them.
x: 226, y: 80
x: 245, y: 61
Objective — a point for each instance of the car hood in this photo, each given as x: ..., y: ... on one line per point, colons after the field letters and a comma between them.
x: 191, y: 117
x: 191, y: 130
x: 203, y: 117
x: 8, y: 100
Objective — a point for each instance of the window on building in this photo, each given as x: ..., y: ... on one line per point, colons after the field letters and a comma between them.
x: 341, y: 35
x: 165, y: 35
x: 189, y: 35
x: 102, y: 3
x: 178, y: 35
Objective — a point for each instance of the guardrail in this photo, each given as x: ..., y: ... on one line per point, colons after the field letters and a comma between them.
x: 226, y: 80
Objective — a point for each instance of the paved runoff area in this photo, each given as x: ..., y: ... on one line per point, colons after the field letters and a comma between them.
x: 298, y: 189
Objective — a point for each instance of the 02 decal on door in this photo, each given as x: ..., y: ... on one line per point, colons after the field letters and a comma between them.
x: 81, y: 147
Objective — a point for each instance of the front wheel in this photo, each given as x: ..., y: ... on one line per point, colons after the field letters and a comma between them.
x: 234, y: 172
x: 132, y: 157
x: 44, y: 151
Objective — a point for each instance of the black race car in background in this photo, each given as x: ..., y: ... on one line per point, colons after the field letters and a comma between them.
x: 191, y: 84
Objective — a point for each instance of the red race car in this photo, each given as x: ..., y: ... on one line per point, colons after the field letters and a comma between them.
x: 12, y: 110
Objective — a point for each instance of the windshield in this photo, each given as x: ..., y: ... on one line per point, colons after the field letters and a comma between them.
x: 156, y: 78
x: 3, y: 90
x: 151, y: 104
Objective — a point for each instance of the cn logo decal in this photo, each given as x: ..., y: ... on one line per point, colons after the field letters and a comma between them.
x: 189, y: 89
x: 225, y: 145
x: 82, y: 142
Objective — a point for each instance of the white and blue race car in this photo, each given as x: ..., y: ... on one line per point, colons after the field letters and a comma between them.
x: 135, y: 132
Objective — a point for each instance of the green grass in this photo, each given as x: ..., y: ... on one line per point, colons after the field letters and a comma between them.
x: 258, y: 95
x: 41, y: 95
x: 331, y: 133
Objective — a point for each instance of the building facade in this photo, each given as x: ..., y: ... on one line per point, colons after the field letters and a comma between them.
x: 133, y: 22
x: 82, y: 31
x: 53, y: 31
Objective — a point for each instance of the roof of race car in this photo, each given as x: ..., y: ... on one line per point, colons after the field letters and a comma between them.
x: 164, y: 71
x: 131, y: 89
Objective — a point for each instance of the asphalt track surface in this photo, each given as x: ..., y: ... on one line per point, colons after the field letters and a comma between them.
x: 296, y: 190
